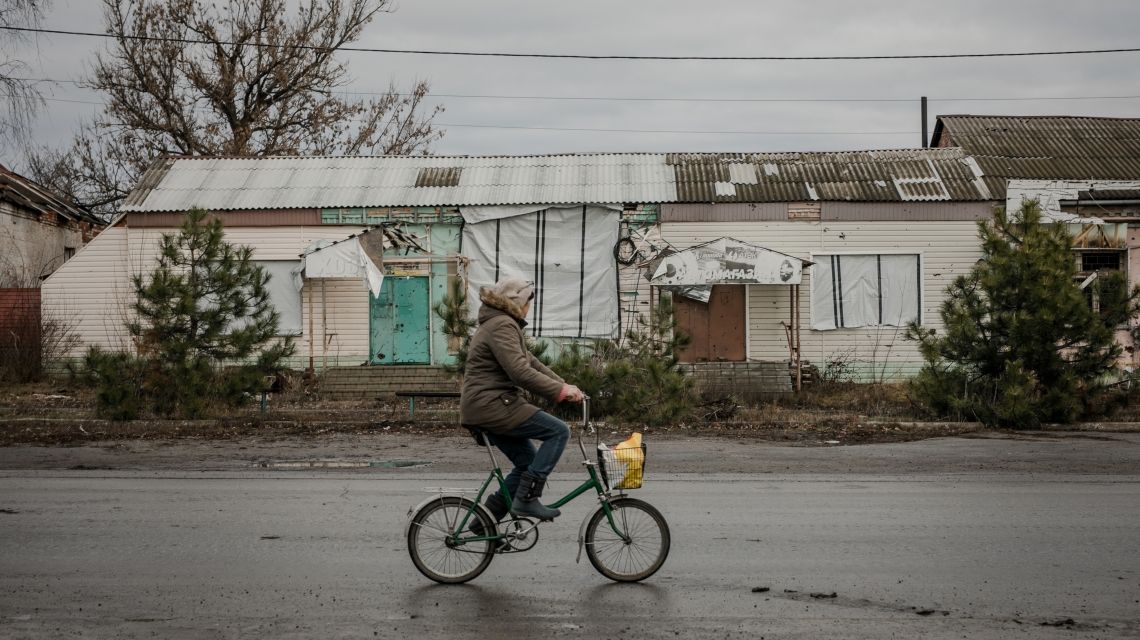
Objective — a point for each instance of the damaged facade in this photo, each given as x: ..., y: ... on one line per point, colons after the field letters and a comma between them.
x: 872, y: 239
x: 584, y: 227
x: 39, y: 231
x: 1084, y: 172
x: 473, y: 218
x: 886, y: 231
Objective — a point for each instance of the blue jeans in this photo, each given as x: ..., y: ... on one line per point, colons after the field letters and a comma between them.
x: 517, y: 446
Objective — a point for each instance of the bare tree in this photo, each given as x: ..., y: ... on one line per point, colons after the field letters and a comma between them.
x: 239, y: 78
x: 20, y: 96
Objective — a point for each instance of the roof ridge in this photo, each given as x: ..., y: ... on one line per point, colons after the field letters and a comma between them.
x: 1037, y: 117
x: 937, y: 150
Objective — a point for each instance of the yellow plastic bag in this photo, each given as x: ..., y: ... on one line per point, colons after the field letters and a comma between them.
x: 630, y: 454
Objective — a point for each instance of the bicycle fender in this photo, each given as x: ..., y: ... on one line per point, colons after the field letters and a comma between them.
x: 582, y: 534
x: 416, y: 509
x: 585, y: 523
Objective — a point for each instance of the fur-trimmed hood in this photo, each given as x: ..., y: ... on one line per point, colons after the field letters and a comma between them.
x: 493, y: 302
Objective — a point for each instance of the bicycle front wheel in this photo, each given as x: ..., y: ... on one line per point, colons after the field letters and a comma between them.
x: 636, y: 549
x: 437, y: 547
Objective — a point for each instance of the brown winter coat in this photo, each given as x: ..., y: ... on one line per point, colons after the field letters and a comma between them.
x: 498, y: 363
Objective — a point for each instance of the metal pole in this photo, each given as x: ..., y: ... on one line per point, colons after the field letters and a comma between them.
x: 324, y: 330
x: 799, y: 346
x: 311, y: 310
x: 791, y: 331
x: 924, y: 137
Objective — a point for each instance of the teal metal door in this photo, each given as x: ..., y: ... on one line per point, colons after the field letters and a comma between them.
x: 400, y: 331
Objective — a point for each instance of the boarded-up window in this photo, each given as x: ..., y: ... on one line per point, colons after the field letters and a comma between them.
x: 567, y: 252
x: 850, y: 291
x: 283, y: 294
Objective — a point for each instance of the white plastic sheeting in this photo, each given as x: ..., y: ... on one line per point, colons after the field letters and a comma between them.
x: 566, y: 251
x: 283, y: 294
x: 344, y: 259
x: 850, y: 291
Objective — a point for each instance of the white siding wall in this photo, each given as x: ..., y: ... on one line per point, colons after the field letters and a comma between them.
x: 344, y: 341
x: 94, y: 288
x: 340, y: 324
x: 947, y: 249
x: 92, y: 292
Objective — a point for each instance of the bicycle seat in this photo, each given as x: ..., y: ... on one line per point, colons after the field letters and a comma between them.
x: 478, y: 433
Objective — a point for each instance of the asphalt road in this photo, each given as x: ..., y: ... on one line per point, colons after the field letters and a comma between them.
x: 262, y: 552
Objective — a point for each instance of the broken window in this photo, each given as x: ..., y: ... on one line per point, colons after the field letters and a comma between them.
x: 1089, y: 263
x: 1099, y: 261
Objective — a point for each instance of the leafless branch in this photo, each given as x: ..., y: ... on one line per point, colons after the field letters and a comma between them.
x: 20, y: 97
x: 264, y: 85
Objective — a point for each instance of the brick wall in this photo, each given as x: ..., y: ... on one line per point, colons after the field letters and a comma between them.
x: 356, y: 383
x: 747, y: 380
x: 17, y: 307
x: 19, y: 329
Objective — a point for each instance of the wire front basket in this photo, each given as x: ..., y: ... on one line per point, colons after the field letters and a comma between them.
x: 622, y: 468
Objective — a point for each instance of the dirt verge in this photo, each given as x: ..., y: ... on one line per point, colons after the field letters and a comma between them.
x: 54, y: 416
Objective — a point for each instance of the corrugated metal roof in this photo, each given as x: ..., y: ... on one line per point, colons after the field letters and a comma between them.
x: 869, y: 176
x: 1046, y: 147
x: 26, y: 193
x: 179, y: 184
x: 1109, y: 194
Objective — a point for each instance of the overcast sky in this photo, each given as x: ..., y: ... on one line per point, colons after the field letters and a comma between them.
x: 848, y: 104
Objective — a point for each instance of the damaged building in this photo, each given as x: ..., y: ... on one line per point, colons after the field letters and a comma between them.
x: 777, y: 262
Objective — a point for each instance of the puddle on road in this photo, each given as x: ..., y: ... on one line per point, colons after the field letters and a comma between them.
x: 339, y: 464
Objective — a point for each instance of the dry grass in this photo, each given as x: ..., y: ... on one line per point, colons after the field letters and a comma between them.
x: 840, y: 398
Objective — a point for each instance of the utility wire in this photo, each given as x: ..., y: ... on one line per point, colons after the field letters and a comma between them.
x: 671, y: 99
x: 739, y: 133
x: 749, y: 100
x: 493, y: 126
x: 492, y: 54
x: 101, y: 104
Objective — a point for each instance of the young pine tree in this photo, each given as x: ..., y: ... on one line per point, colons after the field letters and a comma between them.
x: 637, y: 381
x: 204, y: 324
x: 1022, y: 344
x: 458, y: 324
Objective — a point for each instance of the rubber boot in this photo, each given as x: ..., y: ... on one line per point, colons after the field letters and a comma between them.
x: 498, y: 508
x: 526, y: 501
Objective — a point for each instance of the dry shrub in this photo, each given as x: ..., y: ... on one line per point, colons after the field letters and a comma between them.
x: 30, y: 345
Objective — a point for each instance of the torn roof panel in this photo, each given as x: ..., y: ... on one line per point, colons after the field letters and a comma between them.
x: 177, y: 184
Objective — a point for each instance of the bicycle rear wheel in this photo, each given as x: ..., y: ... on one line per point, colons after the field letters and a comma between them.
x: 638, y: 551
x: 433, y: 546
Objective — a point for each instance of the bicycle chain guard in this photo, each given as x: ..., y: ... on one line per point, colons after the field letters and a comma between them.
x: 521, y: 533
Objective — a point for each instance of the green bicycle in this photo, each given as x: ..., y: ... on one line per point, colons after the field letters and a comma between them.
x: 626, y: 539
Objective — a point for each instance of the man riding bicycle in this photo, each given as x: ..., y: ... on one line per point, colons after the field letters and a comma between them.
x: 498, y: 364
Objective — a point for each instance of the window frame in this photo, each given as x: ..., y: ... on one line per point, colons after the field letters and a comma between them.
x: 1120, y: 252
